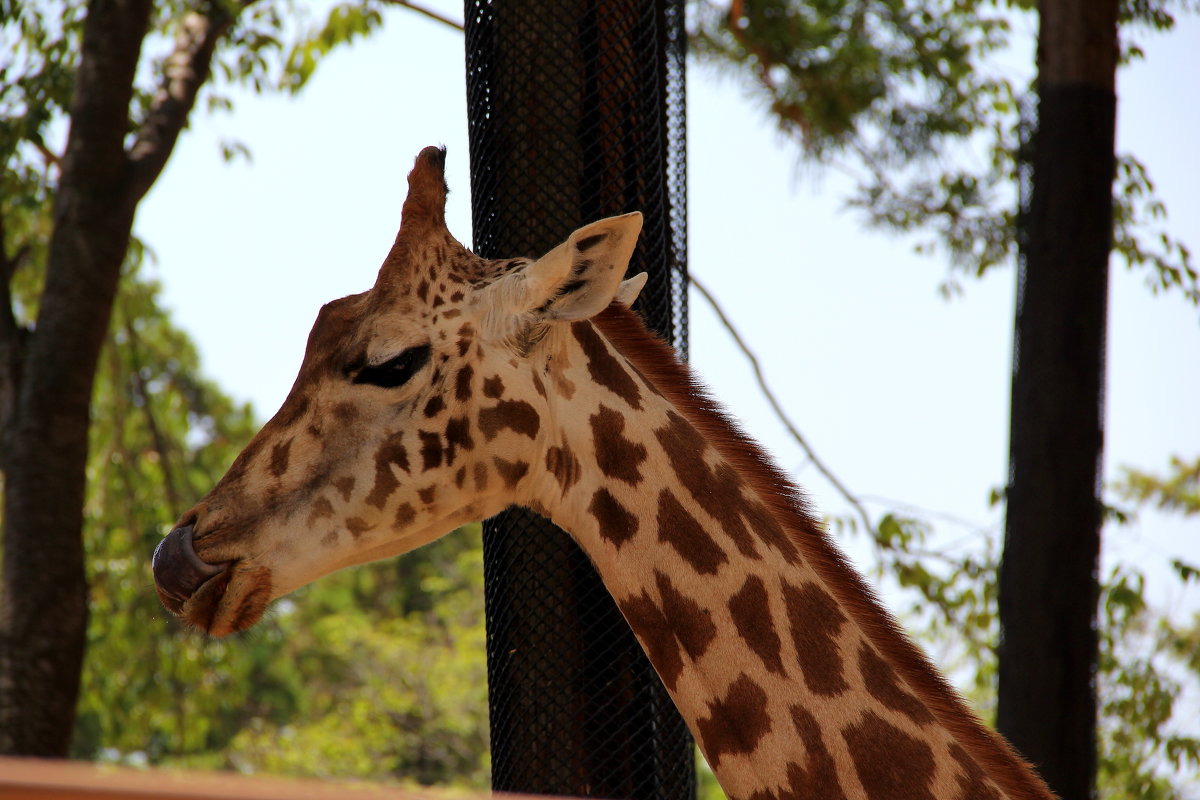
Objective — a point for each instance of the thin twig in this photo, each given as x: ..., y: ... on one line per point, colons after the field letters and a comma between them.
x: 850, y: 498
x: 159, y: 442
x: 51, y: 158
x: 976, y: 530
x: 434, y: 15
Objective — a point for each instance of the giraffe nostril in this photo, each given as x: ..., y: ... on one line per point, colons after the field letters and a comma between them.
x: 178, y: 571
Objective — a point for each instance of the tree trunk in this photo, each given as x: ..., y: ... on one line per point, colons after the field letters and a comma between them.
x: 47, y: 374
x: 43, y: 608
x: 1048, y: 575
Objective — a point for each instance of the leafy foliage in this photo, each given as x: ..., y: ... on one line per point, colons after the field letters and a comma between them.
x: 1178, y: 490
x: 344, y: 23
x: 907, y: 97
x: 1135, y: 210
x: 391, y: 660
x: 1145, y: 662
x: 376, y: 672
x: 160, y: 435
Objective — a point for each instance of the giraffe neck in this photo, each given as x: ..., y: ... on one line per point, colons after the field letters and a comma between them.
x: 793, y: 679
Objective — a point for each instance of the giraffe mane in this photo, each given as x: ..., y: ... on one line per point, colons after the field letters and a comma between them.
x: 661, y: 367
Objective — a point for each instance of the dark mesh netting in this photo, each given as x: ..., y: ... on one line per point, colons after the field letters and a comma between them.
x: 576, y: 113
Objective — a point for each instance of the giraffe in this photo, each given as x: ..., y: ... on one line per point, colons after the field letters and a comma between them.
x: 458, y: 386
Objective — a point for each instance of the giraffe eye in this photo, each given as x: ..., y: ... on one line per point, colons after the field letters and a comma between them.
x: 395, y: 371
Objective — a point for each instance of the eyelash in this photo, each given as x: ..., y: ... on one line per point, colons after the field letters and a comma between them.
x: 395, y: 371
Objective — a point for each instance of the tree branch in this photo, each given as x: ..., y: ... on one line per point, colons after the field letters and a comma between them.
x: 458, y: 26
x: 51, y: 158
x: 145, y: 396
x: 185, y: 70
x: 849, y: 496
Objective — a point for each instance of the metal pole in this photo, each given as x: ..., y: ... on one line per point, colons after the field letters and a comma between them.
x: 576, y: 113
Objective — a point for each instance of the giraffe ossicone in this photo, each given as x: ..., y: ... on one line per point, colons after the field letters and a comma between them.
x: 457, y: 386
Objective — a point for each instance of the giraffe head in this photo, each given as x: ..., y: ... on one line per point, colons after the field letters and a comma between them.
x: 418, y: 407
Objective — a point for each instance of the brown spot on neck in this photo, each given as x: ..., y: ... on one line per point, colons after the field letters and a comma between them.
x: 750, y: 609
x: 616, y: 456
x: 604, y: 368
x: 736, y: 722
x: 718, y: 491
x: 516, y: 415
x: 816, y: 778
x: 493, y: 387
x: 564, y: 466
x: 458, y: 436
x: 404, y: 516
x: 692, y: 623
x: 654, y: 632
x: 510, y: 471
x: 884, y: 685
x: 466, y: 334
x: 816, y: 621
x: 971, y: 779
x: 680, y: 529
x: 431, y: 450
x: 279, y: 458
x: 889, y: 762
x: 462, y: 383
x: 617, y: 524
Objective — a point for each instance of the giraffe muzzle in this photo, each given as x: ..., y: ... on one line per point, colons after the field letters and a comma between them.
x: 178, y: 571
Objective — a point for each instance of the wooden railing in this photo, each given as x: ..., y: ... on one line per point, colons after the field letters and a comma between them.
x: 37, y: 779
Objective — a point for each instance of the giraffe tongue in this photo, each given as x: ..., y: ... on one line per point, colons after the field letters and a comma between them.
x: 178, y: 571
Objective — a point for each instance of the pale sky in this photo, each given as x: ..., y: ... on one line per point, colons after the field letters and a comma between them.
x: 903, y: 394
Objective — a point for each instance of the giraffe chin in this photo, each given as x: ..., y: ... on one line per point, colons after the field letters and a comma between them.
x: 229, y: 602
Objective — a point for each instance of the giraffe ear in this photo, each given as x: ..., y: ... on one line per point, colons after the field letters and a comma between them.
x: 580, y: 277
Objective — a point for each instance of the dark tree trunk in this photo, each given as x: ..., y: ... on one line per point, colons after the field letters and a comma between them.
x: 43, y: 614
x: 48, y: 373
x: 1048, y: 575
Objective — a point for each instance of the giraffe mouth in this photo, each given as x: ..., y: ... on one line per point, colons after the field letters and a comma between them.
x: 220, y: 598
